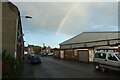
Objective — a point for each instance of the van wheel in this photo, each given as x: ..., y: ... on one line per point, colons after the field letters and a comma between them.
x: 105, y: 70
x: 97, y: 67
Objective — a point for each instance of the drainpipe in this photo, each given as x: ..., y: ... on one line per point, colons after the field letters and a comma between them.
x: 15, y: 54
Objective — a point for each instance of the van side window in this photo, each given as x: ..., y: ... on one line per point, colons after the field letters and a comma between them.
x: 97, y: 55
x: 103, y: 55
x: 112, y: 57
x: 100, y: 55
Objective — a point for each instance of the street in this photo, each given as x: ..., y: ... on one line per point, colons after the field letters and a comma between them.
x: 58, y: 68
x: 81, y: 31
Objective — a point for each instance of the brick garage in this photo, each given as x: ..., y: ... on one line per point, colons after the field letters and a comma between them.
x: 83, y: 46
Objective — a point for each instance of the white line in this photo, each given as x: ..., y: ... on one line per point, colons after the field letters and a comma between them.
x: 36, y: 76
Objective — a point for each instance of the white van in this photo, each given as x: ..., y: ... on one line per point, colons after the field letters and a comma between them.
x: 107, y: 60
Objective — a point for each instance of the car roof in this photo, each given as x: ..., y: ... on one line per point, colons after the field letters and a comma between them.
x: 107, y: 52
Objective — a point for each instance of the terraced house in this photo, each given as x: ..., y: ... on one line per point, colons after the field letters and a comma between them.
x: 12, y: 34
x: 12, y: 39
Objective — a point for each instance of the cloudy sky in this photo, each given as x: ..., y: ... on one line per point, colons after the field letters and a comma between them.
x: 55, y: 22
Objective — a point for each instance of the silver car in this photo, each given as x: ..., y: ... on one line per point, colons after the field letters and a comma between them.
x: 107, y: 60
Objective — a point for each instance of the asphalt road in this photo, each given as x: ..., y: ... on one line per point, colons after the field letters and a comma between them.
x: 57, y: 68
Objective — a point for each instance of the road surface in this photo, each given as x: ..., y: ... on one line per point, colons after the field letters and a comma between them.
x: 58, y: 68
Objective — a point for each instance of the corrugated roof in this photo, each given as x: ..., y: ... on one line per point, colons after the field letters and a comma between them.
x: 92, y: 36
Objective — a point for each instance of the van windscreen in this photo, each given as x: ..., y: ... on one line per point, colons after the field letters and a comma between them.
x: 118, y: 55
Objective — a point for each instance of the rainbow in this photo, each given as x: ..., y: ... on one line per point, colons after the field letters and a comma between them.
x: 66, y: 17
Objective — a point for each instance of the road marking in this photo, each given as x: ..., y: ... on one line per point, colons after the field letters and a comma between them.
x: 36, y: 76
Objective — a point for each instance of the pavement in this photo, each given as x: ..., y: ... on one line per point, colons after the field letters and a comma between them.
x: 25, y: 70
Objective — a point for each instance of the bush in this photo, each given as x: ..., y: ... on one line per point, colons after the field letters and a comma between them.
x: 9, y: 65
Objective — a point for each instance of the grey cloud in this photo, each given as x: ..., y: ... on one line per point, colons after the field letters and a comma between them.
x: 86, y: 16
x: 105, y: 16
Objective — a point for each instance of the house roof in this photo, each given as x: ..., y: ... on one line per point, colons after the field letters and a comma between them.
x: 92, y: 36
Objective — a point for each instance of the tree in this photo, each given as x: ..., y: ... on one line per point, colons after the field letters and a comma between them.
x: 37, y: 49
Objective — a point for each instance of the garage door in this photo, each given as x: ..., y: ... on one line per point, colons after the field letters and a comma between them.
x: 83, y: 55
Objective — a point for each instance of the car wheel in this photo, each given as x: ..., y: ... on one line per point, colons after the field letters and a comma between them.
x: 97, y: 67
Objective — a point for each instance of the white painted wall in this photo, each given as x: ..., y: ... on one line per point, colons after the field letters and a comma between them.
x: 91, y: 55
x: 61, y: 54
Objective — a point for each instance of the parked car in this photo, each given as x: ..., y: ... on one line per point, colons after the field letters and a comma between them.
x: 35, y: 59
x: 43, y: 54
x: 50, y: 54
x: 31, y: 54
x: 107, y: 60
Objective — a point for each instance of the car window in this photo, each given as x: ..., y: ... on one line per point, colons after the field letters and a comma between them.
x: 97, y: 55
x: 100, y: 55
x: 118, y: 55
x: 112, y: 57
x: 103, y: 55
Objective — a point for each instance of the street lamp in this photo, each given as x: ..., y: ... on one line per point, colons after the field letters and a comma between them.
x: 17, y: 24
x: 26, y: 16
